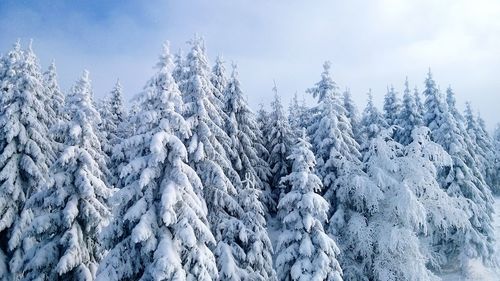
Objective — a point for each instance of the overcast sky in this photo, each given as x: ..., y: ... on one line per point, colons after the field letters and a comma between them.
x: 372, y: 44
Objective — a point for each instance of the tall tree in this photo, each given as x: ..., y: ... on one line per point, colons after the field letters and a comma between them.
x: 55, y: 98
x: 483, y: 147
x: 305, y: 251
x: 258, y: 247
x: 209, y: 149
x: 391, y: 106
x: 72, y: 210
x: 26, y: 150
x: 353, y: 115
x: 244, y: 132
x: 160, y: 230
x: 462, y: 180
x: 296, y: 116
x: 408, y: 119
x: 346, y: 186
x: 372, y: 122
x: 397, y: 254
x: 279, y: 140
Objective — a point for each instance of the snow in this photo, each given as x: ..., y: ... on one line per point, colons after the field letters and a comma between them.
x: 476, y: 271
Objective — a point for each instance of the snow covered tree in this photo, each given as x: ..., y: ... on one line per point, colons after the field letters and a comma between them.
x: 353, y: 115
x: 160, y: 229
x: 397, y: 254
x: 372, y: 122
x: 55, y: 98
x: 347, y: 187
x: 112, y: 126
x: 483, y: 147
x: 305, y: 251
x: 208, y: 149
x: 26, y: 150
x: 258, y: 247
x: 408, y: 119
x: 71, y: 211
x: 244, y: 132
x: 219, y: 78
x: 297, y: 116
x: 486, y: 140
x: 279, y: 140
x: 391, y: 106
x: 331, y: 133
x: 463, y: 180
x: 496, y: 144
x: 179, y: 72
x: 419, y: 168
x: 418, y: 101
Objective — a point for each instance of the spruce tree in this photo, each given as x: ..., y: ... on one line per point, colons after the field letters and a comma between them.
x: 305, y: 251
x: 462, y: 180
x: 26, y: 150
x: 160, y: 230
x: 71, y: 211
x: 297, y: 116
x: 279, y: 140
x: 55, y: 98
x: 353, y: 115
x: 482, y: 147
x: 346, y: 187
x: 372, y: 122
x: 257, y: 247
x: 396, y: 249
x: 391, y: 106
x: 209, y: 154
x: 244, y: 132
x: 408, y: 119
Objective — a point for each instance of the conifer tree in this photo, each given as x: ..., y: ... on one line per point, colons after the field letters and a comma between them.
x: 482, y: 147
x: 72, y: 210
x: 279, y: 140
x: 179, y: 72
x: 408, y: 119
x: 297, y: 116
x: 372, y: 122
x: 244, y: 132
x: 55, y: 98
x: 418, y: 101
x: 396, y: 249
x: 462, y: 180
x: 219, y: 78
x: 209, y: 154
x: 353, y: 115
x: 346, y: 187
x: 160, y: 230
x: 391, y: 106
x: 26, y: 151
x: 112, y: 126
x: 258, y: 247
x: 305, y: 251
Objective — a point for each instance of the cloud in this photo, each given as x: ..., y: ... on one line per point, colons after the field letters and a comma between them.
x: 371, y: 43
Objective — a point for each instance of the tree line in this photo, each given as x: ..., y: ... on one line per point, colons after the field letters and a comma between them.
x: 185, y: 182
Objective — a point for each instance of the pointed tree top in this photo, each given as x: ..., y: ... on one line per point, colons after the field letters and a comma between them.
x: 234, y: 73
x: 30, y: 45
x: 17, y: 45
x: 326, y: 66
x: 370, y: 95
x: 118, y: 85
x: 219, y: 59
x: 275, y: 88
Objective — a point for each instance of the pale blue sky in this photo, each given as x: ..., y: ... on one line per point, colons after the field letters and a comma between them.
x: 371, y: 44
